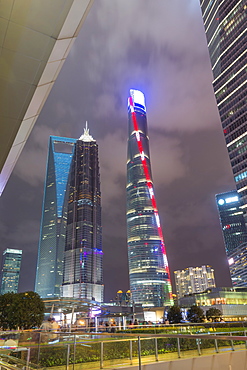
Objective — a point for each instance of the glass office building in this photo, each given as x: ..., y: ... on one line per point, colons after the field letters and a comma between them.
x: 226, y: 30
x: 237, y: 264
x: 148, y: 267
x: 11, y: 265
x: 232, y: 220
x: 83, y: 276
x: 49, y: 272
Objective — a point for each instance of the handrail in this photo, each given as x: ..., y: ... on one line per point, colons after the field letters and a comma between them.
x: 69, y: 342
x: 135, y: 336
x: 6, y: 365
x: 153, y: 335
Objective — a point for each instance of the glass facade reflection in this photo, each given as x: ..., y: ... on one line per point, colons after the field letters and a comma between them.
x: 11, y: 265
x: 148, y: 266
x: 83, y: 276
x: 226, y: 29
x: 237, y: 264
x: 49, y: 272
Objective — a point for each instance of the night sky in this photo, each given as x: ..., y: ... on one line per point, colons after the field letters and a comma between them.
x: 158, y: 47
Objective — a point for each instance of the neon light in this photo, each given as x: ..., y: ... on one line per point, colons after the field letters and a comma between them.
x: 151, y: 192
x: 221, y: 202
x: 150, y: 281
x: 138, y: 136
x: 138, y: 97
x: 242, y: 189
x: 157, y: 219
x: 131, y: 100
x: 232, y: 199
x: 165, y: 260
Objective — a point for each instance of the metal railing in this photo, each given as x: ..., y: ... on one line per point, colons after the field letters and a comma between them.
x: 7, y: 366
x: 39, y: 350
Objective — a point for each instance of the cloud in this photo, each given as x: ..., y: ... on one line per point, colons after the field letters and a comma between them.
x: 129, y: 47
x: 112, y: 154
x: 166, y: 159
x: 23, y: 235
x: 31, y: 164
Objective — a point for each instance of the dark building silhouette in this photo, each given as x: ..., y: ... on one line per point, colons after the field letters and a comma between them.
x: 148, y: 267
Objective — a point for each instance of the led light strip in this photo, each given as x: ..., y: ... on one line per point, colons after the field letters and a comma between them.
x: 149, y: 183
x: 228, y: 47
x: 230, y: 79
x: 230, y: 65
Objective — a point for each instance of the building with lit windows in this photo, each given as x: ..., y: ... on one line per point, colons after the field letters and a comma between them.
x: 232, y: 302
x: 232, y: 220
x: 238, y: 266
x: 226, y: 30
x: 82, y: 277
x: 11, y: 265
x: 194, y: 280
x: 49, y: 271
x: 148, y: 267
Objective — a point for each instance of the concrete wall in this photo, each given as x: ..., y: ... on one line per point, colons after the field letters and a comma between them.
x: 221, y: 361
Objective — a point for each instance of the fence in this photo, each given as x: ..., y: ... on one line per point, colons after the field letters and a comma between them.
x: 80, y: 350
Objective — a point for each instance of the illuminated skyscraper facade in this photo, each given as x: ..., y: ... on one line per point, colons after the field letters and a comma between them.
x: 194, y: 280
x: 49, y: 272
x: 226, y: 30
x: 237, y: 264
x: 11, y: 265
x: 83, y: 276
x: 148, y: 267
x: 232, y: 220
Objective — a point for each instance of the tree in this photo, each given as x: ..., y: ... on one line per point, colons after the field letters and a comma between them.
x: 213, y: 314
x: 8, y: 311
x: 195, y: 314
x: 21, y: 310
x: 174, y: 315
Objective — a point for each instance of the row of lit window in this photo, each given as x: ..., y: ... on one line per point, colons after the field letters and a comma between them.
x: 242, y: 130
x: 234, y: 78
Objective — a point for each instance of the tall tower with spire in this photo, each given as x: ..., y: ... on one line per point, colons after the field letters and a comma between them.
x: 148, y: 267
x: 49, y: 271
x: 82, y: 275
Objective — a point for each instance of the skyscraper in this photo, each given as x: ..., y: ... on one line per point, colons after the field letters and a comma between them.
x: 237, y: 264
x: 226, y: 30
x: 53, y: 221
x: 194, y: 280
x: 232, y: 220
x: 11, y: 266
x: 148, y: 267
x: 83, y: 248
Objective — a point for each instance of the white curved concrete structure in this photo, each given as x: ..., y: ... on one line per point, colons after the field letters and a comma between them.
x: 35, y: 39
